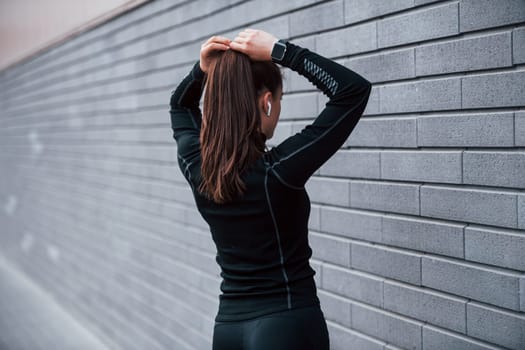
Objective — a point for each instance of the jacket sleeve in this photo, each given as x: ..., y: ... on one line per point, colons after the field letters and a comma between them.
x: 186, y: 116
x: 300, y: 155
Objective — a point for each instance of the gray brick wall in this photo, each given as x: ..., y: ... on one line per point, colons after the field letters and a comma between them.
x: 417, y: 224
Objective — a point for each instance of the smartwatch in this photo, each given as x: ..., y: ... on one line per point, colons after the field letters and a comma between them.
x: 278, y: 51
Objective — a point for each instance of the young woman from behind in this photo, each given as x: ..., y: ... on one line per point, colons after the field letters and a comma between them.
x: 253, y: 198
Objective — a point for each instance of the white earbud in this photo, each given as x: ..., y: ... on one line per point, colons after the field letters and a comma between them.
x: 269, y: 108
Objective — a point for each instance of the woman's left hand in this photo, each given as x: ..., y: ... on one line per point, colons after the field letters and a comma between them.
x: 215, y: 43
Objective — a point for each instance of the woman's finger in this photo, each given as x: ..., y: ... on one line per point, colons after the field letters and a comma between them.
x: 215, y: 46
x: 222, y: 39
x: 234, y: 45
x: 218, y: 39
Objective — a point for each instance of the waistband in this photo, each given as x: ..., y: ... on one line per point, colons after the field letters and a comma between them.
x: 234, y: 307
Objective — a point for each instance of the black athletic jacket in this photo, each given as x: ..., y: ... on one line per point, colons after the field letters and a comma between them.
x: 262, y: 238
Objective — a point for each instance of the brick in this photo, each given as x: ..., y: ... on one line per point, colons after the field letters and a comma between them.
x: 297, y: 126
x: 384, y: 132
x: 393, y: 197
x: 103, y: 302
x: 428, y: 166
x: 436, y: 339
x: 427, y: 95
x: 318, y: 268
x: 518, y: 45
x: 384, y: 66
x: 82, y: 45
x: 468, y: 130
x: 290, y: 77
x: 358, y: 10
x: 519, y: 128
x: 391, y: 328
x: 423, y: 235
x: 335, y: 308
x: 252, y: 12
x: 299, y: 106
x: 426, y: 305
x: 347, y: 41
x: 505, y: 169
x: 322, y: 100
x: 493, y: 286
x: 353, y: 284
x: 297, y: 82
x: 343, y: 338
x: 331, y: 249
x: 387, y: 262
x: 306, y: 42
x: 470, y: 205
x: 328, y: 191
x: 497, y: 326
x: 493, y: 90
x: 364, y: 164
x: 314, y: 222
x: 485, y: 52
x: 427, y: 23
x: 278, y: 26
x: 108, y: 321
x: 495, y: 247
x: 351, y: 223
x: 194, y: 218
x: 372, y: 106
x: 480, y: 14
x: 281, y: 133
x: 319, y: 17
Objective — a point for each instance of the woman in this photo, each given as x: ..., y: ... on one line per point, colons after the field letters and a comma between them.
x: 253, y: 198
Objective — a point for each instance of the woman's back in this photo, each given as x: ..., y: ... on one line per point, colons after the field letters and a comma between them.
x: 262, y: 235
x: 262, y: 247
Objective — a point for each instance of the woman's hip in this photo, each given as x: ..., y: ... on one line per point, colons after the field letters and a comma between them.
x: 300, y: 328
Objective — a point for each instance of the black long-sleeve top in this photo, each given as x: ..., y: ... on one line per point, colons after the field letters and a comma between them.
x: 262, y: 237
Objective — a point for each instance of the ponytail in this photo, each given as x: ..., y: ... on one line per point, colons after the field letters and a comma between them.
x: 230, y: 136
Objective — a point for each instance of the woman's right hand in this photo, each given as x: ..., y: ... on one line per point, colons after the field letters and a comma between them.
x: 255, y: 43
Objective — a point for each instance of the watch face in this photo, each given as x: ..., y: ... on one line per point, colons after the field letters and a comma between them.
x: 278, y: 50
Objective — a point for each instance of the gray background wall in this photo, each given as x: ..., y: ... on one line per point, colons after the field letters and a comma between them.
x: 417, y: 223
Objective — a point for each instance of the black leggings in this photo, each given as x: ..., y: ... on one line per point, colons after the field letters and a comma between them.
x: 296, y: 329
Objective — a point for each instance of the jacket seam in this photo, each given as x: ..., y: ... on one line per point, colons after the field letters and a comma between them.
x: 278, y: 239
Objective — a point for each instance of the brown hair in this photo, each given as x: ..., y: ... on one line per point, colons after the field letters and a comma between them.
x: 230, y: 136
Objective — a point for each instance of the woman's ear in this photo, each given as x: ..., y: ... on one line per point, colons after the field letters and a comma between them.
x: 268, y: 101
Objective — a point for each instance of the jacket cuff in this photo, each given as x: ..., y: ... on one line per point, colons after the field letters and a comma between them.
x: 197, y: 72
